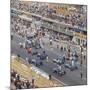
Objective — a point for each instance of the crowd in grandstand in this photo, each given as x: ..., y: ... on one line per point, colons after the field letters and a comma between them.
x: 43, y: 9
x: 20, y: 26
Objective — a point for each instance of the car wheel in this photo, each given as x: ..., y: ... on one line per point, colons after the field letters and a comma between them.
x: 76, y: 67
x: 54, y: 71
x: 71, y: 69
x: 64, y: 72
x: 60, y: 75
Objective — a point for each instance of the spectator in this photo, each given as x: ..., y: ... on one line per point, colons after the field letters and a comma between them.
x: 33, y: 81
x: 61, y: 48
x: 28, y: 84
x: 50, y: 77
x: 50, y: 41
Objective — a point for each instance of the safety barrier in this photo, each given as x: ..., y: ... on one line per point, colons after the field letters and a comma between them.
x: 39, y: 71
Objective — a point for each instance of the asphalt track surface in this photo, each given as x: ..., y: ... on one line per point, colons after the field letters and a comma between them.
x: 71, y: 78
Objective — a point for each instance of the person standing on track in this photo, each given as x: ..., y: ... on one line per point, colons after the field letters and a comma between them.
x: 81, y: 75
x: 47, y: 58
